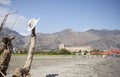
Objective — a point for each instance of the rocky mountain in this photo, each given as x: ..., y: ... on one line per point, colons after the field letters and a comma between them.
x: 99, y: 39
x: 19, y: 40
x: 108, y: 39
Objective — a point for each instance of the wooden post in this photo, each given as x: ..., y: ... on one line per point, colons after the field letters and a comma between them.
x: 24, y: 72
x: 31, y: 51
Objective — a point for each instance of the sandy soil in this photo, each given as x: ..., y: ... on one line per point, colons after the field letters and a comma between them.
x: 72, y: 66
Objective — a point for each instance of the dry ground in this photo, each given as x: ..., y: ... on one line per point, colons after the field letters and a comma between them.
x: 69, y: 66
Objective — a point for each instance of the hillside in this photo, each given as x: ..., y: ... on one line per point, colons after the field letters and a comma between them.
x: 100, y: 39
x: 19, y: 40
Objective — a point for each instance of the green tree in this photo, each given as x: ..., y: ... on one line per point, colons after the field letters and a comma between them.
x: 64, y: 52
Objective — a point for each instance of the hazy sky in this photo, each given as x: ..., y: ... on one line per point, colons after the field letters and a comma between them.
x: 57, y: 15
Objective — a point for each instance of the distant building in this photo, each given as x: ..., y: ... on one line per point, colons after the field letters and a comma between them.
x: 75, y: 49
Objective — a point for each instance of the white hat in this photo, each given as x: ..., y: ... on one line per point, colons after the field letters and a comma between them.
x: 32, y: 23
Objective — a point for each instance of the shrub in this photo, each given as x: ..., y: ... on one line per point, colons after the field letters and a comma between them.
x: 64, y: 52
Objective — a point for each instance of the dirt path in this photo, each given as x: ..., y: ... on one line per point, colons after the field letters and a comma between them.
x: 66, y: 66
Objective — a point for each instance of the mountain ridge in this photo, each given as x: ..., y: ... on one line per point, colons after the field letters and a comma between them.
x: 99, y: 39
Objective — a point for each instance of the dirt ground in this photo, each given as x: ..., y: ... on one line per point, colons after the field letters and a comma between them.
x: 68, y: 66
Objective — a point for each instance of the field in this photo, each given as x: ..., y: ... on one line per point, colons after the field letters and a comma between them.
x: 68, y: 66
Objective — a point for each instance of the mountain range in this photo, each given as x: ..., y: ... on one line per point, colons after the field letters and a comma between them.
x: 98, y: 39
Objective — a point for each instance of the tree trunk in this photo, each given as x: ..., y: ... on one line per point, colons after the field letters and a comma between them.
x: 31, y: 51
x: 5, y: 55
x: 24, y: 72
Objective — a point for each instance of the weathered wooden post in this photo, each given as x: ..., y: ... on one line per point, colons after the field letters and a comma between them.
x: 24, y: 72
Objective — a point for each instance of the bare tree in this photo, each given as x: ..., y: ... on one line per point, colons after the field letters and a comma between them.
x: 24, y: 72
x: 5, y: 19
x: 5, y: 51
